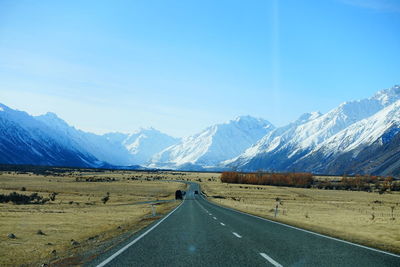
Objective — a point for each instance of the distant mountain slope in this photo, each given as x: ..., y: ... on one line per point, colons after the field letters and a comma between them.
x: 362, y: 147
x: 283, y: 147
x: 356, y: 137
x: 214, y: 144
x: 142, y: 144
x: 96, y: 145
x: 25, y: 140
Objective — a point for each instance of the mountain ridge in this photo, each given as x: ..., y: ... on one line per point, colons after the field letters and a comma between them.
x: 283, y: 147
x: 355, y: 137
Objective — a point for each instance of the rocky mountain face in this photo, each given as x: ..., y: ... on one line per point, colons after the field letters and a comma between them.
x: 356, y: 137
x: 142, y: 145
x: 49, y: 140
x: 213, y: 145
x: 25, y: 140
x: 315, y: 142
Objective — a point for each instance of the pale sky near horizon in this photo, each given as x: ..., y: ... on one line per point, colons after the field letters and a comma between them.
x: 180, y: 66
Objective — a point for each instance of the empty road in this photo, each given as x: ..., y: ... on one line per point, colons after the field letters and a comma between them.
x: 200, y: 233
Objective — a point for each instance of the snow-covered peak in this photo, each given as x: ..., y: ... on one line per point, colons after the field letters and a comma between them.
x: 363, y: 132
x: 308, y: 117
x: 6, y: 109
x: 388, y: 96
x: 29, y: 140
x: 215, y: 143
x: 20, y: 117
x: 249, y: 121
x: 51, y: 118
x: 274, y: 139
x: 144, y: 133
x: 141, y: 144
x: 311, y: 129
x: 3, y: 107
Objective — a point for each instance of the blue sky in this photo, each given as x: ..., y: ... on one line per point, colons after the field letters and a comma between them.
x: 181, y: 66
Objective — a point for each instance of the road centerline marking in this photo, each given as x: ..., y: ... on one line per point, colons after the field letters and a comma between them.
x: 237, y: 235
x: 222, y: 224
x: 214, y: 218
x: 271, y: 260
x: 304, y: 230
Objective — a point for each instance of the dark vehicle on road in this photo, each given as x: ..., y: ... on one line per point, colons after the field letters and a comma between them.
x: 178, y: 194
x: 196, y: 192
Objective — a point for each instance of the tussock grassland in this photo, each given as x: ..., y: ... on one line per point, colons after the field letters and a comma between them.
x: 360, y: 217
x: 357, y: 216
x: 78, y: 212
x: 77, y: 220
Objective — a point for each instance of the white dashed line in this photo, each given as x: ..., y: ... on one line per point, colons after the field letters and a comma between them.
x: 222, y: 224
x: 268, y: 258
x: 237, y: 235
x: 214, y: 218
x: 306, y: 231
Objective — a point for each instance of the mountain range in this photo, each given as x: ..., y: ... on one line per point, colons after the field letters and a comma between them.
x: 360, y: 136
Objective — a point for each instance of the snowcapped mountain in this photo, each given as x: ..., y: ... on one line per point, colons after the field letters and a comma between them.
x: 142, y: 144
x: 284, y: 146
x: 272, y: 140
x: 214, y: 144
x: 96, y: 145
x: 25, y: 140
x: 117, y: 149
x: 348, y: 148
x: 49, y: 140
x: 356, y: 137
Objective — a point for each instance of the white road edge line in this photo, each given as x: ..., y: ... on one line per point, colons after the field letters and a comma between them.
x: 109, y: 259
x: 237, y: 235
x: 307, y: 231
x: 222, y: 224
x: 268, y: 258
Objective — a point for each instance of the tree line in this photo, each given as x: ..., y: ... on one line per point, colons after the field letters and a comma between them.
x: 293, y: 179
x: 306, y: 180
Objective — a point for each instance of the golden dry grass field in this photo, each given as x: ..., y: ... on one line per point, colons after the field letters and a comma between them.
x: 357, y: 216
x: 76, y: 214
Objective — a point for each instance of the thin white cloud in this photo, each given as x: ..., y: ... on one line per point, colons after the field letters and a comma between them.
x: 379, y: 5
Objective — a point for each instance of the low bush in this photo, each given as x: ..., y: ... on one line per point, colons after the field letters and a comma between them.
x: 261, y: 178
x: 366, y: 183
x: 19, y: 199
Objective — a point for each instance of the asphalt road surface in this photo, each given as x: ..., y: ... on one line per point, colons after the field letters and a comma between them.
x: 199, y: 233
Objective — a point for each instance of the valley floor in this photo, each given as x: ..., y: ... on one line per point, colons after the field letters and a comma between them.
x: 78, y: 213
x: 77, y: 221
x: 360, y: 217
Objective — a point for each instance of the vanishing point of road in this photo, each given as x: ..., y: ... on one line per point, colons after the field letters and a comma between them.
x: 200, y: 233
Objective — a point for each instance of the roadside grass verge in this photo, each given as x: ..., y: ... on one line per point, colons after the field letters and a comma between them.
x: 370, y: 219
x: 76, y: 220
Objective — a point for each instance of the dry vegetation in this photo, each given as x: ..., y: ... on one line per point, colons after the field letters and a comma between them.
x: 306, y: 180
x: 78, y: 212
x: 368, y: 218
x: 76, y: 218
